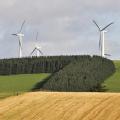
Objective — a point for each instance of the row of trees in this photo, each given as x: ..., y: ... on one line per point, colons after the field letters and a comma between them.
x: 48, y: 64
x: 83, y: 74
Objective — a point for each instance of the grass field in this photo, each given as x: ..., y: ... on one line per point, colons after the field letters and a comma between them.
x: 14, y: 84
x: 113, y: 83
x: 61, y: 106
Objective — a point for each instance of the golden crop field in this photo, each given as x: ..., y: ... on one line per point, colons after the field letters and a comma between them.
x: 61, y: 106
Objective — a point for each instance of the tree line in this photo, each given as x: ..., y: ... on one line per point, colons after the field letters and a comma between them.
x: 49, y: 64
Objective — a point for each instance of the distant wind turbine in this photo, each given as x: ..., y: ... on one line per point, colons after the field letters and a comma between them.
x: 37, y: 48
x: 20, y: 36
x: 102, y: 38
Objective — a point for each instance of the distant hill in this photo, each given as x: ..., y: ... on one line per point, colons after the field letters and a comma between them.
x: 61, y: 106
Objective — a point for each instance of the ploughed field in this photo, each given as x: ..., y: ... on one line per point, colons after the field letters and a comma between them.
x: 61, y: 106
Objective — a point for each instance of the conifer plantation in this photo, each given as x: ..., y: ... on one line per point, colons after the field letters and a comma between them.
x: 83, y: 73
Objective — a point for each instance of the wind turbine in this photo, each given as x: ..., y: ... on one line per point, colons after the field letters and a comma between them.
x: 20, y: 36
x: 102, y: 38
x: 37, y: 48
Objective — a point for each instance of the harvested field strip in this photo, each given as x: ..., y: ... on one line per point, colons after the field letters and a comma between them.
x: 61, y: 106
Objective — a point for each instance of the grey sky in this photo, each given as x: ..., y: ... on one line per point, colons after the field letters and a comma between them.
x: 64, y: 26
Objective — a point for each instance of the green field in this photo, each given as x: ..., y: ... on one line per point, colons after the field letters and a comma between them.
x: 17, y: 84
x: 112, y: 84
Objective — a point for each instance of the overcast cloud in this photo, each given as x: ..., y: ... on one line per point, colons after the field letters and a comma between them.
x: 65, y: 26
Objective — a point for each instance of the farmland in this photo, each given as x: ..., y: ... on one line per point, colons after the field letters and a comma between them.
x: 57, y: 105
x: 14, y: 84
x: 112, y: 84
x: 61, y: 106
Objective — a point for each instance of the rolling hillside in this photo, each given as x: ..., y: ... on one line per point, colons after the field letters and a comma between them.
x: 112, y: 84
x: 61, y: 106
x: 82, y: 73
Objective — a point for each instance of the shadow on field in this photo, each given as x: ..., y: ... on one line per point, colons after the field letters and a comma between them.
x: 103, y: 88
x: 40, y: 84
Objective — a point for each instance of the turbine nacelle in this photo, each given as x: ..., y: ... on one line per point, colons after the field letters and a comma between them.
x: 104, y: 31
x: 37, y: 47
x: 19, y: 35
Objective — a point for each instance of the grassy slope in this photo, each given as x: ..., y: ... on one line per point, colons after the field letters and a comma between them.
x: 10, y: 85
x: 61, y: 106
x: 113, y: 83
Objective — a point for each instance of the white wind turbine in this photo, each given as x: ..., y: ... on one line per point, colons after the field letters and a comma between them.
x: 102, y: 38
x: 20, y: 36
x: 37, y: 48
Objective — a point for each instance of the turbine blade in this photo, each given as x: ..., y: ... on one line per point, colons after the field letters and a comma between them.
x: 20, y: 44
x: 100, y: 42
x: 107, y: 26
x: 107, y: 55
x: 36, y: 36
x: 14, y: 34
x: 40, y: 51
x: 33, y: 51
x: 22, y: 26
x: 96, y: 25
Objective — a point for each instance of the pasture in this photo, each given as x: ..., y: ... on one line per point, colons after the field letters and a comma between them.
x: 17, y: 84
x: 112, y: 84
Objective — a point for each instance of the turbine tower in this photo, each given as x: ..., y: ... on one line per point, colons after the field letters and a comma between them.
x: 37, y: 48
x: 20, y: 36
x: 102, y: 38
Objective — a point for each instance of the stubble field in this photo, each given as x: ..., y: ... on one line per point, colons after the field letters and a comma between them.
x: 61, y: 106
